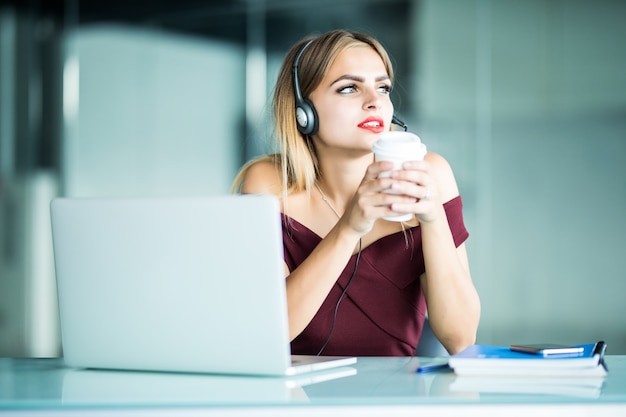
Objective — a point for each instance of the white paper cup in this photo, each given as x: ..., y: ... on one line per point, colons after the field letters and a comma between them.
x: 398, y: 147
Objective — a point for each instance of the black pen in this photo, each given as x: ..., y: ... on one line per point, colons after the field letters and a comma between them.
x: 433, y: 367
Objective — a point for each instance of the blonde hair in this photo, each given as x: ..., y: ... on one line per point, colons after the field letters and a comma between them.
x: 297, y: 158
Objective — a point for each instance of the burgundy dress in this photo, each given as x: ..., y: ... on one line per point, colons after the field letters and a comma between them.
x: 382, y: 313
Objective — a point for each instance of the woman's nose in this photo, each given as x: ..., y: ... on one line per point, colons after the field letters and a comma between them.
x: 372, y: 98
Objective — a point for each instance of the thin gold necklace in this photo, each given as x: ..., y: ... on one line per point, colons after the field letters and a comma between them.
x: 356, y: 267
x: 326, y: 200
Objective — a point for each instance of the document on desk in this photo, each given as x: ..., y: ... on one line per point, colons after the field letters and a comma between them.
x: 485, y: 360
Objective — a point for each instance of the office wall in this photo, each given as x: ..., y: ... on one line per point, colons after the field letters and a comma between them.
x: 150, y: 113
x: 527, y: 101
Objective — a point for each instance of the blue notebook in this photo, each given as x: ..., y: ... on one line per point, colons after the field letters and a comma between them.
x: 501, y: 360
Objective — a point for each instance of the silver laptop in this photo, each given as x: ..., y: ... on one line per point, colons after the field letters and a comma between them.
x: 183, y: 285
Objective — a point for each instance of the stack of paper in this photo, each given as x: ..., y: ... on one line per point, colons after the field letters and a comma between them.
x: 483, y: 360
x: 498, y: 370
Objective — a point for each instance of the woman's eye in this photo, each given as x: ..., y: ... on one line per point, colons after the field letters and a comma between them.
x: 352, y: 88
x: 386, y: 89
x: 347, y: 89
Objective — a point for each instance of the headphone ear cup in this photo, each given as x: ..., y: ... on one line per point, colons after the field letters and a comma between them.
x: 306, y: 117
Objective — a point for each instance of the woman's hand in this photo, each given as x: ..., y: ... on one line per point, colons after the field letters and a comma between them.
x: 416, y: 183
x: 409, y: 190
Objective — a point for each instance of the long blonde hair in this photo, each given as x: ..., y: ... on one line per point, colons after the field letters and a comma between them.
x: 297, y: 158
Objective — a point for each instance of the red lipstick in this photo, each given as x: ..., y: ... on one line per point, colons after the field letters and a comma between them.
x: 373, y: 124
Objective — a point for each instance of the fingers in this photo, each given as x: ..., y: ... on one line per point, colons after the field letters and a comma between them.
x: 371, y: 201
x: 413, y: 180
x: 377, y: 170
x: 409, y: 190
x: 383, y: 174
x: 419, y: 190
x: 386, y: 191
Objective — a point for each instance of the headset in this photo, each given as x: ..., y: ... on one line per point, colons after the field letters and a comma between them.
x: 306, y: 115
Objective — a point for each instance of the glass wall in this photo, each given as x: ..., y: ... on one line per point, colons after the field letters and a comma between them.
x: 525, y: 99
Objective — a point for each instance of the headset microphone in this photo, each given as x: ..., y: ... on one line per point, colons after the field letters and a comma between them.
x: 399, y: 122
x: 306, y: 116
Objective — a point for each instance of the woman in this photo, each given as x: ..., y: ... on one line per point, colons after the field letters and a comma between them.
x: 358, y: 284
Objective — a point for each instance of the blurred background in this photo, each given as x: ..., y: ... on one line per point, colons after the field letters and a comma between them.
x: 526, y: 99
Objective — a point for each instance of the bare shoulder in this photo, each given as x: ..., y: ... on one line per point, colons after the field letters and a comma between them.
x: 443, y: 175
x: 262, y: 176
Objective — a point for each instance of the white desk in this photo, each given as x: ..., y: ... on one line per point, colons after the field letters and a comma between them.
x: 373, y: 387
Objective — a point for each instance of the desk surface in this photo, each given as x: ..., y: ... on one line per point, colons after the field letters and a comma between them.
x: 36, y: 386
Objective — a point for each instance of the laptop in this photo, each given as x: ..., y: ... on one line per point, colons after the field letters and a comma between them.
x: 179, y: 284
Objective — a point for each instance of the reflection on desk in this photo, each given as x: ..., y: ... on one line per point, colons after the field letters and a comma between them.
x: 152, y: 388
x: 570, y: 387
x: 373, y: 386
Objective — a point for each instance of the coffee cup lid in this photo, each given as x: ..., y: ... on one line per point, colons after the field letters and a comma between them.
x: 405, y: 143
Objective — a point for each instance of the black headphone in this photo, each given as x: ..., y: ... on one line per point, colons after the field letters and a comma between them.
x: 306, y: 116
